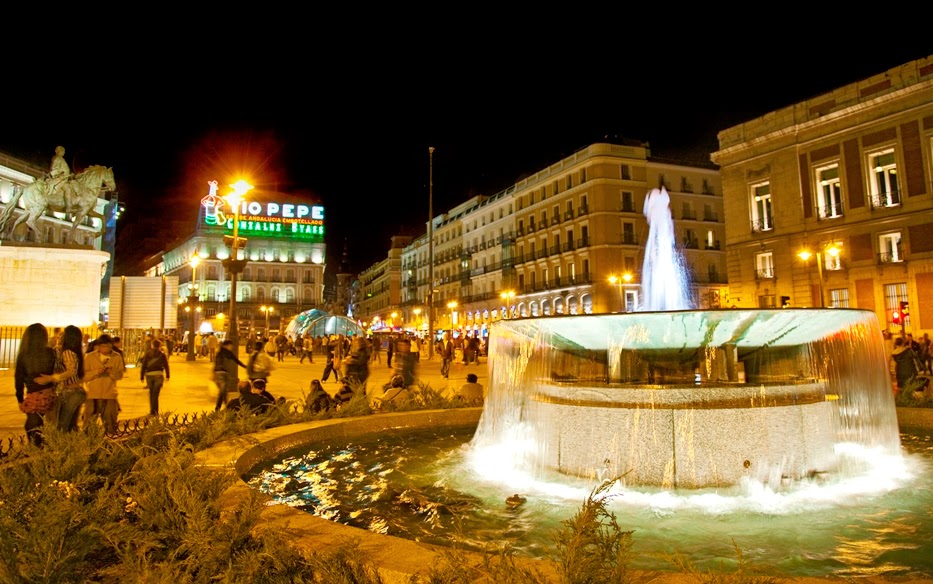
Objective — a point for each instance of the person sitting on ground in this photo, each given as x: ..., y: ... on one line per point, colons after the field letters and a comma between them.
x: 344, y: 393
x: 318, y: 400
x: 394, y: 392
x: 470, y: 392
x: 253, y: 397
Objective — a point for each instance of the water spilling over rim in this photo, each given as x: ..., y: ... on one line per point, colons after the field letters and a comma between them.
x: 689, y: 399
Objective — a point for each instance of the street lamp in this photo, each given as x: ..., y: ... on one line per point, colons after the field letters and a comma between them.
x: 233, y: 264
x: 192, y: 293
x: 508, y: 295
x: 267, y: 310
x: 452, y: 305
x: 805, y: 255
x: 620, y: 281
x: 430, y: 252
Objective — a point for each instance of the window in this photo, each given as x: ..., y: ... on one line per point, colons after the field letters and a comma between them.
x: 628, y: 233
x: 883, y: 168
x: 839, y: 298
x: 628, y: 201
x: 894, y: 294
x: 830, y: 198
x: 889, y: 248
x: 626, y: 171
x: 762, y: 214
x: 275, y: 294
x: 260, y: 294
x: 764, y: 265
x: 244, y: 294
x: 582, y: 175
x: 289, y: 295
x: 631, y: 300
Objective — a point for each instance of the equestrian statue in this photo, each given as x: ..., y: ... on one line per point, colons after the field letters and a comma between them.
x: 62, y: 192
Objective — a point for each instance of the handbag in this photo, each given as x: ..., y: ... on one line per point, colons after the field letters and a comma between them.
x: 39, y: 402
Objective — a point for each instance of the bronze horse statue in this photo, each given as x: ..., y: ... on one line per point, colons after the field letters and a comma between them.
x: 76, y: 198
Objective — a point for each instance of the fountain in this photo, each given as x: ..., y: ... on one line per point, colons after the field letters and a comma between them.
x: 681, y: 398
x: 774, y: 430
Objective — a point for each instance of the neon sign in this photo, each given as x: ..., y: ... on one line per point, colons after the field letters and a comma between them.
x: 265, y: 219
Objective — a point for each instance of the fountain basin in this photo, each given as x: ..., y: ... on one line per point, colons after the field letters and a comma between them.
x: 691, y: 398
x: 683, y: 437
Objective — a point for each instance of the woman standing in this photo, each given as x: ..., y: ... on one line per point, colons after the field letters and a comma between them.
x: 155, y: 371
x: 71, y: 392
x: 35, y: 360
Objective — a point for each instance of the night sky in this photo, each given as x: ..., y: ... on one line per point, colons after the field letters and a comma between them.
x: 354, y: 134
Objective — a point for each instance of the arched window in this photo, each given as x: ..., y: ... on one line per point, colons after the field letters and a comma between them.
x: 260, y: 293
x: 534, y: 309
x: 308, y: 294
x: 275, y: 295
x: 558, y: 306
x: 546, y: 307
x: 587, y: 301
x: 244, y: 293
x: 572, y: 305
x: 289, y: 295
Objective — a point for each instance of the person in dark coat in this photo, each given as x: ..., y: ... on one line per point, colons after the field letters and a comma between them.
x: 225, y: 372
x: 906, y: 365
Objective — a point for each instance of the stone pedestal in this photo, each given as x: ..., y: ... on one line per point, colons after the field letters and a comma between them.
x: 54, y: 285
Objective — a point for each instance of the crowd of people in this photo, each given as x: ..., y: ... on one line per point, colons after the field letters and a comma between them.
x: 66, y: 378
x: 59, y: 374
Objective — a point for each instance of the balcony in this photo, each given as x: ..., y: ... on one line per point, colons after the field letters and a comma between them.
x: 568, y: 215
x: 894, y: 256
x: 555, y: 220
x: 568, y: 246
x: 712, y: 246
x: 829, y: 211
x: 714, y: 217
x: 760, y: 225
x: 583, y: 210
x: 885, y: 200
x: 629, y: 239
x: 583, y: 242
x: 764, y: 273
x: 691, y: 244
x: 554, y: 249
x: 688, y: 216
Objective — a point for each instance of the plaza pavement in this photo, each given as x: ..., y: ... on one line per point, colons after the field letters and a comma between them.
x: 187, y: 390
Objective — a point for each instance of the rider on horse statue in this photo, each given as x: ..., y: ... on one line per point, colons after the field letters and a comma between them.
x: 59, y: 175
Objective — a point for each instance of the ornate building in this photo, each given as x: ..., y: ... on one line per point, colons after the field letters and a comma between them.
x: 283, y: 243
x: 566, y: 240
x: 828, y: 201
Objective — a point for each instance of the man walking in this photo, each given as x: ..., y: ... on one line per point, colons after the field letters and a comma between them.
x: 447, y: 355
x: 225, y: 372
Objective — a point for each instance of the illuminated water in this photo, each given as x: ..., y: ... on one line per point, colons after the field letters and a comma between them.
x: 773, y: 430
x: 424, y: 486
x: 664, y: 281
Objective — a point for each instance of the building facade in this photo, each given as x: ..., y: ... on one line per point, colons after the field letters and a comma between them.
x: 283, y: 244
x: 381, y: 286
x: 828, y: 201
x: 566, y: 240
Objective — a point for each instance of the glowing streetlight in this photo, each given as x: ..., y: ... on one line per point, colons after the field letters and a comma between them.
x: 805, y: 255
x: 233, y: 264
x: 192, y: 293
x: 452, y: 305
x: 620, y: 281
x: 267, y: 310
x: 508, y: 296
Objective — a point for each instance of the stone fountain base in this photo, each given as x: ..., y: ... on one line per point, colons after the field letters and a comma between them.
x: 684, y: 437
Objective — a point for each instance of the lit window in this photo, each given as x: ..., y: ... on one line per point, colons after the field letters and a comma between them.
x: 762, y: 214
x: 889, y: 248
x: 884, y: 189
x: 839, y: 298
x: 830, y: 189
x: 764, y: 265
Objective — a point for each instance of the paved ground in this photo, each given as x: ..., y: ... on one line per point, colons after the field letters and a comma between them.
x: 187, y: 390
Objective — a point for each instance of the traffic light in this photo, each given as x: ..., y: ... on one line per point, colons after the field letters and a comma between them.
x: 905, y: 309
x: 896, y: 316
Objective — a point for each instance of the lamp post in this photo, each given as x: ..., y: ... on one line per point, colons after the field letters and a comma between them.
x: 805, y: 255
x: 233, y: 264
x: 452, y: 305
x: 430, y: 252
x: 508, y: 296
x: 267, y: 310
x: 621, y: 281
x: 192, y: 293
